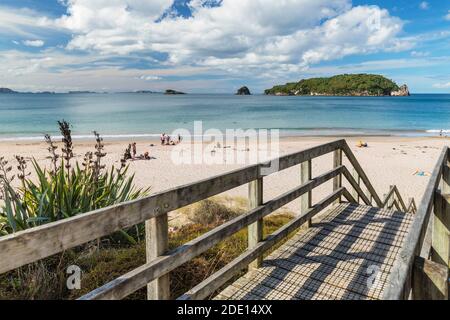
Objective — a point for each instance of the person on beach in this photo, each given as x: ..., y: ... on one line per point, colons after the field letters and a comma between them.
x: 163, y: 137
x: 134, y: 149
x: 167, y: 140
x: 127, y: 155
x: 179, y: 138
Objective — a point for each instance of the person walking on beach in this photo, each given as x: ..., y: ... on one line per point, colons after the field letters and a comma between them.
x: 163, y: 138
x: 179, y: 138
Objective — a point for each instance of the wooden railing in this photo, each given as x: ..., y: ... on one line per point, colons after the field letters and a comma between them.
x: 394, y: 199
x: 429, y: 237
x: 34, y: 244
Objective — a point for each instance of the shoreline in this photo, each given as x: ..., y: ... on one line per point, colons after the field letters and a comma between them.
x: 431, y: 133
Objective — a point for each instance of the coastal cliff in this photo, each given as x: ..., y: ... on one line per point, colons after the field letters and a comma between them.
x: 341, y: 85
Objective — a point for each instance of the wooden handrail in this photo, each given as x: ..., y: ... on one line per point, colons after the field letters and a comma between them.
x: 354, y: 162
x: 399, y: 284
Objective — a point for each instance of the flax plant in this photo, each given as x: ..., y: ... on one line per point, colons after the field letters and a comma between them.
x: 64, y: 190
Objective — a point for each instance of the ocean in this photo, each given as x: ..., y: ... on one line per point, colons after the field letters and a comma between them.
x: 30, y: 116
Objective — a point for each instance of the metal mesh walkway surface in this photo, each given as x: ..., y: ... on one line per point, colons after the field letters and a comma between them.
x: 346, y: 255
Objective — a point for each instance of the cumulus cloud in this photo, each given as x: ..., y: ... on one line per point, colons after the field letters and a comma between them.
x: 234, y: 35
x: 33, y: 43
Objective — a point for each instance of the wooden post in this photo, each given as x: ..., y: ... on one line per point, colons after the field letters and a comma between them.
x: 429, y: 280
x: 440, y: 252
x: 337, y: 181
x: 157, y: 243
x: 410, y: 205
x: 391, y: 200
x: 255, y: 230
x: 369, y: 195
x: 358, y: 181
x: 306, y: 199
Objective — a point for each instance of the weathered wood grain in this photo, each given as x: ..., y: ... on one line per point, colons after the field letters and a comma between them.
x: 337, y: 161
x: 255, y: 230
x: 157, y: 244
x: 430, y: 280
x: 306, y: 199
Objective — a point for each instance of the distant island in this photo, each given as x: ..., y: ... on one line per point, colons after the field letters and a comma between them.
x: 170, y: 91
x: 341, y: 85
x: 7, y: 90
x: 243, y: 91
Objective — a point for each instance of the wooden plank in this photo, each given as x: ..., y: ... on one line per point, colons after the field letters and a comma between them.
x: 389, y: 198
x: 215, y: 281
x: 440, y: 252
x: 399, y: 279
x: 157, y: 244
x: 440, y: 248
x: 357, y: 179
x: 430, y: 280
x: 255, y: 230
x: 139, y: 277
x: 400, y: 200
x: 337, y: 161
x: 306, y: 199
x: 356, y: 187
x: 354, y: 162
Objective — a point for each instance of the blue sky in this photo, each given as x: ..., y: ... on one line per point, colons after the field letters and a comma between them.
x: 219, y: 45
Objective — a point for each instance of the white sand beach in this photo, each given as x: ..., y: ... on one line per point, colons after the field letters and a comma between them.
x: 386, y: 160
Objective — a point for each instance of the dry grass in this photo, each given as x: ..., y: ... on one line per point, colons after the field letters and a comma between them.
x: 47, y: 279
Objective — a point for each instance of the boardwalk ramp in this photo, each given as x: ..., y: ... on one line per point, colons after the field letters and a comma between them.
x: 347, y: 254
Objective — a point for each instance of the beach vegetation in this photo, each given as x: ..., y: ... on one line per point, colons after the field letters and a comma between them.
x: 31, y: 198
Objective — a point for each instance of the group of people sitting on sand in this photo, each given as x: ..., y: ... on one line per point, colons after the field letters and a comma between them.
x: 131, y: 153
x: 166, y: 140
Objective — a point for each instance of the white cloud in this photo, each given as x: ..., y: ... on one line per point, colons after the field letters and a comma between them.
x: 237, y: 35
x: 23, y: 22
x: 424, y: 5
x: 149, y: 78
x: 33, y: 43
x: 442, y: 85
x: 420, y: 54
x: 447, y: 16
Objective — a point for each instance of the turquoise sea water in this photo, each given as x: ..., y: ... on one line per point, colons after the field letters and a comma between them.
x: 29, y: 116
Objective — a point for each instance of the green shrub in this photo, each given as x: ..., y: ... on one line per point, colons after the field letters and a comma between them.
x: 67, y: 189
